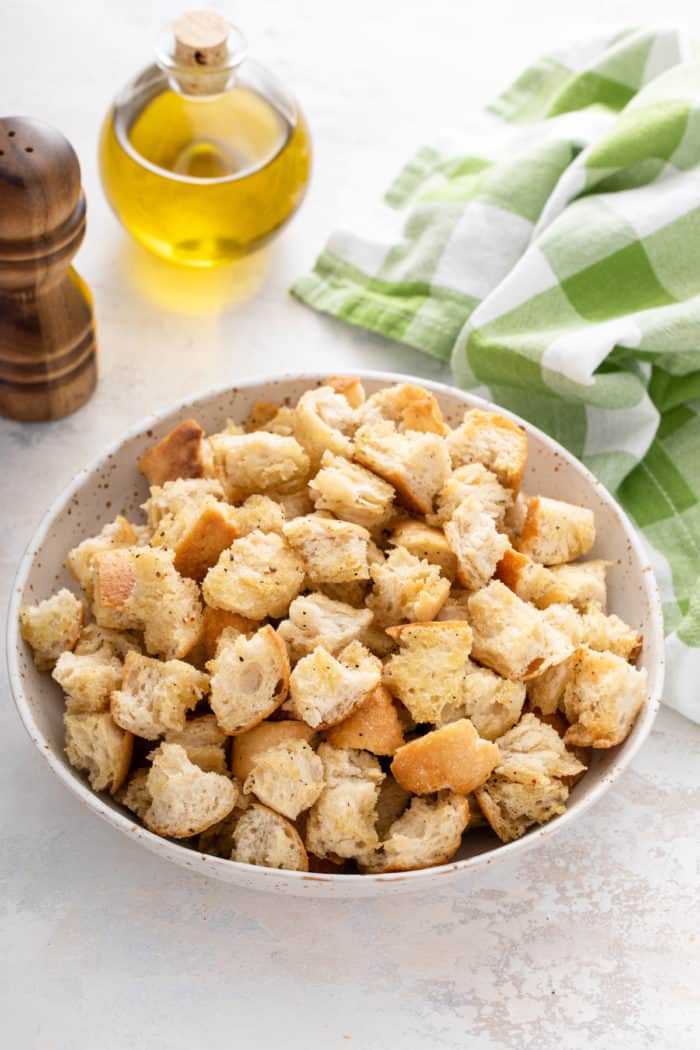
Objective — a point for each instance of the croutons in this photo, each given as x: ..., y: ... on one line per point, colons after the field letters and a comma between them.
x: 216, y: 621
x: 118, y: 533
x: 324, y: 420
x: 428, y: 674
x: 265, y: 838
x: 427, y: 543
x: 406, y: 589
x: 248, y: 746
x: 374, y: 726
x: 324, y: 689
x: 258, y: 576
x: 88, y: 679
x: 601, y: 699
x: 204, y: 742
x: 247, y: 464
x: 493, y: 440
x: 140, y: 588
x: 473, y: 479
x: 52, y: 626
x: 416, y: 464
x: 288, y: 777
x: 184, y: 799
x: 351, y: 492
x: 258, y: 512
x: 249, y: 679
x: 581, y: 584
x: 408, y: 407
x: 332, y: 551
x: 453, y: 757
x: 491, y: 703
x: 478, y: 547
x: 545, y: 691
x: 196, y: 536
x: 428, y: 833
x: 266, y: 415
x: 156, y: 695
x: 392, y: 802
x: 556, y: 532
x: 100, y: 748
x: 610, y: 633
x: 175, y: 496
x: 317, y: 620
x: 511, y: 636
x: 350, y: 387
x: 342, y: 823
x: 177, y: 455
x: 134, y: 793
x: 527, y: 785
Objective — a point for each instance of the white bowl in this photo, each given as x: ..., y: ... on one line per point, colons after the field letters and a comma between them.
x: 113, y: 484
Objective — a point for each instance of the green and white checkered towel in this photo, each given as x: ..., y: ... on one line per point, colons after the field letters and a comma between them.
x: 556, y: 263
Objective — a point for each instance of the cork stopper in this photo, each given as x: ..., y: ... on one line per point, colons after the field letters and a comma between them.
x: 203, y: 55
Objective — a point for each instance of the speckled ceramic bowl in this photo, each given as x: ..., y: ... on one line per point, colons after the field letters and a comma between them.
x: 113, y: 484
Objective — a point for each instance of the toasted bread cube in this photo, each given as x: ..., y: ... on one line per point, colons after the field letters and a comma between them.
x: 204, y: 742
x: 258, y: 576
x: 491, y: 703
x: 118, y: 533
x: 528, y: 579
x: 184, y: 799
x: 52, y: 626
x: 216, y: 621
x: 100, y: 748
x: 134, y: 793
x: 426, y: 543
x: 156, y: 695
x: 473, y: 479
x: 248, y: 746
x: 610, y: 633
x: 332, y: 551
x: 177, y: 455
x: 491, y: 439
x: 350, y: 387
x: 324, y: 689
x: 197, y: 535
x: 581, y: 584
x: 392, y: 802
x: 342, y: 823
x: 428, y: 673
x: 351, y: 492
x: 457, y: 605
x: 378, y: 641
x: 93, y: 638
x: 264, y: 838
x: 217, y: 841
x: 408, y: 407
x: 317, y: 620
x: 247, y: 464
x: 453, y: 756
x: 556, y: 532
x: 516, y: 516
x: 416, y: 464
x: 324, y: 420
x: 173, y: 497
x: 428, y: 833
x: 478, y: 547
x: 374, y: 726
x: 140, y: 588
x: 353, y: 593
x: 545, y: 691
x: 406, y: 589
x: 266, y: 415
x: 288, y: 778
x: 527, y: 786
x: 292, y: 505
x: 258, y: 512
x: 249, y: 679
x: 88, y: 679
x: 602, y: 698
x: 512, y: 637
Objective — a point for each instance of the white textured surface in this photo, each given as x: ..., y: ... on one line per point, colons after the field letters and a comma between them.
x: 588, y: 942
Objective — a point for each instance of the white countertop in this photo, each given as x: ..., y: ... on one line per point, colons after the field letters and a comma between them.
x: 590, y: 941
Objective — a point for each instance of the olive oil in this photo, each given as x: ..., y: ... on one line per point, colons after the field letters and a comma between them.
x: 204, y: 179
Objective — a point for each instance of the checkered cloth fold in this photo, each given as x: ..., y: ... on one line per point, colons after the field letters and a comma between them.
x: 556, y: 264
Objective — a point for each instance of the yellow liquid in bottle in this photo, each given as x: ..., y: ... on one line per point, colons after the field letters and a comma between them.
x: 204, y: 181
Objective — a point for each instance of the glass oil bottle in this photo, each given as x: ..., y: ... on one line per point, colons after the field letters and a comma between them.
x: 204, y: 156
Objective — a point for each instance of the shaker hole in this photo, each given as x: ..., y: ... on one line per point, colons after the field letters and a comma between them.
x: 11, y: 134
x: 28, y: 149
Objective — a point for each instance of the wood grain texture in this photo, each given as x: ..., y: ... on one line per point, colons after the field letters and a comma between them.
x: 47, y: 334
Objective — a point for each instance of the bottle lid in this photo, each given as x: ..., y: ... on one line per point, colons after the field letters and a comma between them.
x: 201, y: 51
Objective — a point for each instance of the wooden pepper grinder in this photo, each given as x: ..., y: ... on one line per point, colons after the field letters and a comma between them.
x: 47, y: 333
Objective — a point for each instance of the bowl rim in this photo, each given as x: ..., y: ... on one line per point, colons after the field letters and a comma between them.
x: 176, y: 852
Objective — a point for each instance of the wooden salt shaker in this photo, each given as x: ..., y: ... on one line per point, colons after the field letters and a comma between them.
x: 47, y: 333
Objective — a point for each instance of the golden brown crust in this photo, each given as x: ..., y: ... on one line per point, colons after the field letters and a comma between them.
x: 349, y: 386
x: 452, y: 757
x: 200, y: 547
x: 215, y: 621
x: 262, y: 413
x: 177, y: 455
x: 510, y: 568
x: 122, y: 770
x: 247, y: 746
x: 374, y: 726
x: 115, y: 577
